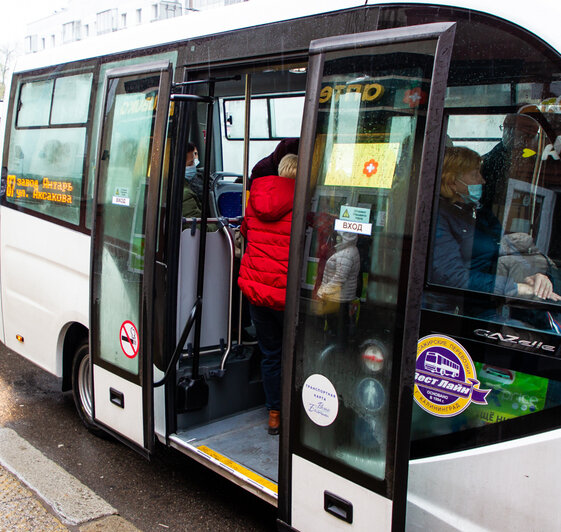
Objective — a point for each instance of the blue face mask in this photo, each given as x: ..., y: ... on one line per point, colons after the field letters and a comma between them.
x: 190, y: 172
x: 474, y: 193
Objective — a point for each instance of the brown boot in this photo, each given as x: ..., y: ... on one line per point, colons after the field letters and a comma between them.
x: 274, y: 421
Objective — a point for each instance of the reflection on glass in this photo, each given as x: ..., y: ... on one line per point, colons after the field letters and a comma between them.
x: 504, y: 241
x: 513, y: 394
x: 370, y: 122
x: 34, y: 103
x: 124, y: 176
x: 45, y: 168
x: 71, y: 100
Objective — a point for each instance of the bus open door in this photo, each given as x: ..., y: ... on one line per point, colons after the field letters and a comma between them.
x: 135, y: 114
x: 367, y: 165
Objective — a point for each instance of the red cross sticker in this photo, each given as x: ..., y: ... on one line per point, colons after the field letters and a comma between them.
x: 370, y: 168
x: 415, y: 97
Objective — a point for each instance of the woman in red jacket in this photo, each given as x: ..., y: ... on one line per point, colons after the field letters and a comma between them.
x: 263, y: 271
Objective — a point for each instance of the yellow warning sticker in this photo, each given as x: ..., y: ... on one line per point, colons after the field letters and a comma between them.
x: 262, y: 481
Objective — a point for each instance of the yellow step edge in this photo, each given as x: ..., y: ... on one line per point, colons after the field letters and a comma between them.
x: 266, y: 483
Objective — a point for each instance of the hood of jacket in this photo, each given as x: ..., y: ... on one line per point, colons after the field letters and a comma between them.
x: 271, y: 197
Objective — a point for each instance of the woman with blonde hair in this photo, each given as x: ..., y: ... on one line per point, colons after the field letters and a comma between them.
x: 467, y: 241
x: 263, y: 272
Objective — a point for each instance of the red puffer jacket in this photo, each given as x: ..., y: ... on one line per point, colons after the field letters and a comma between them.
x: 266, y: 227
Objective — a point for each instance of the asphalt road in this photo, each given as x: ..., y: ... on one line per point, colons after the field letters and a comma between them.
x: 170, y: 492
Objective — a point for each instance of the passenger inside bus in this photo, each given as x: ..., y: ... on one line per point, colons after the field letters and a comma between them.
x: 270, y: 165
x: 193, y: 186
x: 263, y: 272
x: 193, y: 175
x: 468, y: 235
x: 508, y: 159
x: 339, y: 286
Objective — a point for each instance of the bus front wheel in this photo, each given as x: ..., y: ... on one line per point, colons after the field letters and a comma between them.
x: 82, y: 390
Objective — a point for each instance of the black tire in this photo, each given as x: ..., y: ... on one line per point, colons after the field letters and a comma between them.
x: 82, y: 390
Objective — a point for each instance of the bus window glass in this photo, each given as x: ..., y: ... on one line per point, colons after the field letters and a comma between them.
x: 286, y: 116
x: 45, y: 168
x: 235, y: 119
x: 370, y: 122
x: 71, y: 99
x: 124, y: 176
x: 504, y: 241
x: 35, y: 103
x: 503, y: 244
x: 97, y: 114
x: 495, y: 237
x: 46, y: 161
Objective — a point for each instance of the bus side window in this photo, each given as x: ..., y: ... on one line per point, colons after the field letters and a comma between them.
x: 46, y: 161
x: 494, y: 229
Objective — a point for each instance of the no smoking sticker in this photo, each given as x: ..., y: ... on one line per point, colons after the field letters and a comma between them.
x: 128, y: 336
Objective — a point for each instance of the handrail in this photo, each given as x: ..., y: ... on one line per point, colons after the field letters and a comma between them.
x: 186, y: 330
x: 238, y: 220
x: 230, y: 291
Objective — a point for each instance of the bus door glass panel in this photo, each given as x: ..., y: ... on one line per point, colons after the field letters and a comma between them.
x: 119, y: 244
x: 353, y: 299
x: 485, y: 262
x: 124, y: 176
x: 372, y: 109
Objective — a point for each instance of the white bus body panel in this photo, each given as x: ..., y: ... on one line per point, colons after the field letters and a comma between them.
x: 464, y: 491
x: 127, y: 421
x: 309, y: 481
x: 45, y: 285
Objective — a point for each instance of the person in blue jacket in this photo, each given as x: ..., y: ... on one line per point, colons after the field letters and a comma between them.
x: 467, y: 240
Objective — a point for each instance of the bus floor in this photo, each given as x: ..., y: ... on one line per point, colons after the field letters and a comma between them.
x: 239, y: 440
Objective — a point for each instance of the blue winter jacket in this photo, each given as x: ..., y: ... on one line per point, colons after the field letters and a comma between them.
x: 466, y: 250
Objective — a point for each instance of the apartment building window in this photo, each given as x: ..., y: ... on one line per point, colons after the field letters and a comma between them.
x: 139, y: 16
x: 86, y: 30
x: 106, y: 21
x: 43, y: 43
x: 124, y: 20
x: 30, y: 43
x: 154, y: 11
x: 53, y: 41
x: 71, y: 31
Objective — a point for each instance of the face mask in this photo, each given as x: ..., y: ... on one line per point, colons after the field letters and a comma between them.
x: 474, y: 193
x: 190, y: 172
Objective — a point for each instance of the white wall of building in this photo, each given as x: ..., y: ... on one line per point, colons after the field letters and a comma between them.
x: 83, y: 19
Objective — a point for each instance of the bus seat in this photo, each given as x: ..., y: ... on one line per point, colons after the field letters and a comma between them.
x: 230, y: 204
x: 226, y: 196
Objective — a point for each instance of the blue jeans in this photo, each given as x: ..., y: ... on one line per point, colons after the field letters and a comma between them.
x: 268, y: 327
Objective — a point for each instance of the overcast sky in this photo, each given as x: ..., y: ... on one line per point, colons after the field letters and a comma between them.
x: 17, y: 13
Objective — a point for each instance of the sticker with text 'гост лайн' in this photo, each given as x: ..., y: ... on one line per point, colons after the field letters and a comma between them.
x: 445, y: 377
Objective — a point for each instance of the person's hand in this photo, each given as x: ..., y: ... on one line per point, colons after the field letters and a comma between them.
x: 538, y: 285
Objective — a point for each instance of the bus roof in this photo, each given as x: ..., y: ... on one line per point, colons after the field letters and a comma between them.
x: 542, y: 20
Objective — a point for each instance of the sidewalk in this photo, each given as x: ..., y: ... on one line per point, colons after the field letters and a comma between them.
x: 38, y: 495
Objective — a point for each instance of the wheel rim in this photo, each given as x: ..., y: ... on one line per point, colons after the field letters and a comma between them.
x: 85, y: 386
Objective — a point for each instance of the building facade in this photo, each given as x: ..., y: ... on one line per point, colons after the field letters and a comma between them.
x: 83, y: 19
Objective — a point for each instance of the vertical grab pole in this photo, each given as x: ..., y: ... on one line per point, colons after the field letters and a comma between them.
x: 202, y: 235
x: 245, y: 179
